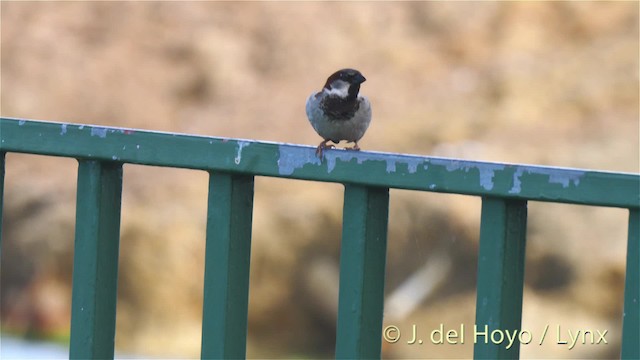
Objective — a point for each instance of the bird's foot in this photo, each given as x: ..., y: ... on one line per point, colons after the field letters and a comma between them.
x: 322, y: 147
x: 355, y: 147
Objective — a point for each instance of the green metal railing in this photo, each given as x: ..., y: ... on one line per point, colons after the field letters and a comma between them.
x: 232, y: 164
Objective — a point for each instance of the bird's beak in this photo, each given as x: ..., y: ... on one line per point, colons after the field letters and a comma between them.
x: 360, y: 79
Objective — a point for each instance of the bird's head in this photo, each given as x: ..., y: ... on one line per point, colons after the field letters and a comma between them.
x: 344, y: 83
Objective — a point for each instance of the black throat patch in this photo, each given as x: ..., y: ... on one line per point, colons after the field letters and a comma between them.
x: 338, y: 108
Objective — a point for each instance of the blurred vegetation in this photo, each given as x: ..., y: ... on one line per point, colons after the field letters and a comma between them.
x: 552, y: 83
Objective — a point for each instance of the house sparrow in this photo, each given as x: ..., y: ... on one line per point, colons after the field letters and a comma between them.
x: 339, y: 112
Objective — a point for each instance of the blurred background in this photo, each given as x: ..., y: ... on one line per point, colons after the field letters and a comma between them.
x: 549, y: 83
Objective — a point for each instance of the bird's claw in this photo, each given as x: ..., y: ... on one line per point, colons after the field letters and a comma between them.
x: 322, y: 147
x: 355, y: 147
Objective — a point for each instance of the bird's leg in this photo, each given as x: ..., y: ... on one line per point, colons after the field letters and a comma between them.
x: 323, y: 145
x: 355, y: 147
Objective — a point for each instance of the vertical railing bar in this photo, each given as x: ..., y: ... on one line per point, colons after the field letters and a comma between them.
x: 2, y: 160
x: 227, y: 261
x: 362, y: 272
x: 500, y: 275
x: 95, y: 260
x: 631, y: 312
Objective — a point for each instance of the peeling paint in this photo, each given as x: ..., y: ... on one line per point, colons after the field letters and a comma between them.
x: 391, y: 166
x: 291, y: 158
x: 516, y: 188
x: 412, y: 164
x: 137, y: 146
x: 99, y: 132
x: 454, y: 165
x: 487, y: 171
x: 391, y: 161
x: 114, y: 157
x: 241, y: 144
x: 81, y: 127
x: 486, y: 176
x: 343, y: 155
x: 22, y: 122
x: 63, y: 129
x: 294, y: 158
x: 556, y: 176
x: 560, y: 177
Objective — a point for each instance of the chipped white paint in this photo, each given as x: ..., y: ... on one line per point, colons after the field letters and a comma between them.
x: 564, y: 178
x: 99, y: 132
x: 343, y: 155
x: 412, y: 164
x: 22, y: 122
x: 392, y: 162
x: 138, y: 147
x: 487, y: 170
x: 81, y: 127
x: 241, y: 145
x: 114, y: 157
x: 391, y: 166
x: 556, y: 176
x: 486, y: 176
x: 517, y: 184
x: 291, y: 158
x: 63, y: 129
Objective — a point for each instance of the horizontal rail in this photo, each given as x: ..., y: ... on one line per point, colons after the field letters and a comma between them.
x: 508, y: 181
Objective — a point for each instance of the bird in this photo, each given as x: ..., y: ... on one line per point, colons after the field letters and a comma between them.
x: 339, y: 112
